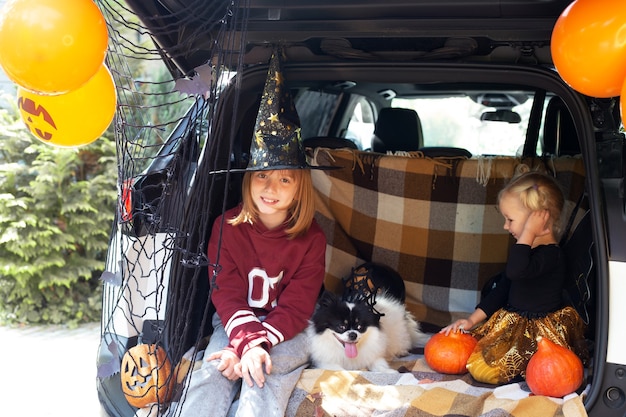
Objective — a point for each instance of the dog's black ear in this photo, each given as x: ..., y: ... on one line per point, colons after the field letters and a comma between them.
x: 327, y: 299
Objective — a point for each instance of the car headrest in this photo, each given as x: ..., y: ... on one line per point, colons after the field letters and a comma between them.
x: 397, y: 129
x: 559, y: 133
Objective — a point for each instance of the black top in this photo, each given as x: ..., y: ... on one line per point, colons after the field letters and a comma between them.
x: 532, y: 283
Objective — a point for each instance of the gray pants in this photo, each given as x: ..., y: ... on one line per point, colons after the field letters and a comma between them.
x: 210, y: 394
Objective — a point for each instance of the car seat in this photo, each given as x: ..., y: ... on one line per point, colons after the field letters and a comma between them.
x: 559, y: 133
x: 397, y: 129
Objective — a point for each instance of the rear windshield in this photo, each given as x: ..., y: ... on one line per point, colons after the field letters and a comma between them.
x: 485, y: 123
x: 464, y: 123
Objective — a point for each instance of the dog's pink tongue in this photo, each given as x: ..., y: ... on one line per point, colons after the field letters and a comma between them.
x: 351, y: 351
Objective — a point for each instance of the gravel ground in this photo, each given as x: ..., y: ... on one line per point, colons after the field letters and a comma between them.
x: 49, y: 371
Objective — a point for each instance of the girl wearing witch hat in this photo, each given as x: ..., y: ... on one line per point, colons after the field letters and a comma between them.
x: 268, y: 263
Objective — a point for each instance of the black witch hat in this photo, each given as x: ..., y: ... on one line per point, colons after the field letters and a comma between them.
x: 277, y: 141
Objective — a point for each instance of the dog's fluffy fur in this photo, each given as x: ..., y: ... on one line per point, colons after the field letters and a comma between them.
x: 351, y: 336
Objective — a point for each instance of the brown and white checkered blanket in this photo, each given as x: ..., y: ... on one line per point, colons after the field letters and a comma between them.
x: 435, y: 221
x: 418, y: 391
x: 414, y: 391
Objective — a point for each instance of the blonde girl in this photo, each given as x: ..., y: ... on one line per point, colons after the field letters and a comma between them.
x: 527, y: 301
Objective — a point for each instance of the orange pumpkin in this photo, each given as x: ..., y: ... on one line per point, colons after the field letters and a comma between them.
x: 553, y: 370
x: 448, y: 354
x: 146, y: 375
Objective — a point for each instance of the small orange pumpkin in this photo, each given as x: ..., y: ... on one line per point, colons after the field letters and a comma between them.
x: 553, y: 370
x: 146, y: 375
x: 448, y: 354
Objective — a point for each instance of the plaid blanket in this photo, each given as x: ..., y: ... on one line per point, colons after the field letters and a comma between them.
x: 435, y: 221
x: 414, y: 391
x: 418, y: 391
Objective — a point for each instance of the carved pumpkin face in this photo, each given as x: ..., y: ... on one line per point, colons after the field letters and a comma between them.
x: 146, y: 375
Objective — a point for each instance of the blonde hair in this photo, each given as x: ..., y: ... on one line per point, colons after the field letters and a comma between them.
x: 538, y: 191
x: 301, y: 212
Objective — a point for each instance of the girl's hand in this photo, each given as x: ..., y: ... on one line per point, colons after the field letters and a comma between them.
x: 459, y: 325
x: 465, y: 325
x: 228, y: 365
x: 537, y: 223
x: 251, y: 366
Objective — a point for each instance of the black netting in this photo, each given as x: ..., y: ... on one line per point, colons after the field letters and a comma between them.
x: 156, y: 286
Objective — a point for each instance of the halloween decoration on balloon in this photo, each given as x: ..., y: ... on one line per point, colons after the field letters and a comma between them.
x: 71, y: 119
x: 54, y: 50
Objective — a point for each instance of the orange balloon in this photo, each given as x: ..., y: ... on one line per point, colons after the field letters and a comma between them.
x: 71, y: 119
x: 622, y: 102
x: 52, y: 46
x: 589, y: 46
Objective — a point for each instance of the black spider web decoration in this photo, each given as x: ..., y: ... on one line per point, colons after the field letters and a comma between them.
x: 359, y: 287
x: 155, y: 286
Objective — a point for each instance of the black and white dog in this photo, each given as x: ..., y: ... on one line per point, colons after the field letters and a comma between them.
x: 366, y: 327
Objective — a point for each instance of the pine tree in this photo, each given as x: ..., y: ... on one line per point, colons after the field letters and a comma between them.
x: 56, y: 210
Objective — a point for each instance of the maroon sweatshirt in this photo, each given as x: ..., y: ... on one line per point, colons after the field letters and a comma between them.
x: 267, y: 285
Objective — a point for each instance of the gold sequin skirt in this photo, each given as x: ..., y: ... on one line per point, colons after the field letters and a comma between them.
x: 508, y: 339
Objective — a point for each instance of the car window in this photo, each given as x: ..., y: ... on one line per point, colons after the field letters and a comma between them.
x: 483, y: 123
x: 465, y: 122
x: 316, y: 110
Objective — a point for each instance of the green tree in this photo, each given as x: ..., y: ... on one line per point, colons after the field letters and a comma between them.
x: 57, y: 205
x: 56, y: 210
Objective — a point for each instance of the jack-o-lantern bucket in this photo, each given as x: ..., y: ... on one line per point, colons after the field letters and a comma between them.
x: 146, y: 375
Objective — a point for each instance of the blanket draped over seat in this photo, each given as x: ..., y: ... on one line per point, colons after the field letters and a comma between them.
x: 435, y: 221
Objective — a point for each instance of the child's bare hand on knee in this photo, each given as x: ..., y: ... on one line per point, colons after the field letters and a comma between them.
x: 228, y: 365
x: 254, y: 364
